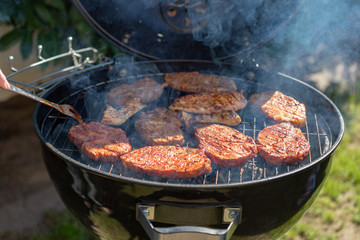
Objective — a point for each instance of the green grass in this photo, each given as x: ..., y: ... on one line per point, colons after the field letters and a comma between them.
x: 56, y: 225
x: 339, y: 201
x: 303, y: 231
x: 61, y: 226
x: 343, y: 185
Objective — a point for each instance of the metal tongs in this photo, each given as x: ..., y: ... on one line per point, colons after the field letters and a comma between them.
x: 78, y: 64
x: 65, y: 109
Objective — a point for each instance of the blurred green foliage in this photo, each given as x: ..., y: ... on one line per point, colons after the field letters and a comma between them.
x: 62, y: 226
x: 48, y: 23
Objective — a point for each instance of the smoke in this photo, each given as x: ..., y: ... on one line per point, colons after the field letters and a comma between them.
x: 321, y: 44
x: 218, y: 27
x: 225, y: 27
x: 320, y: 35
x: 227, y: 19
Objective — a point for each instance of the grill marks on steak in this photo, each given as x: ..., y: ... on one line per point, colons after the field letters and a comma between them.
x: 117, y: 117
x: 160, y: 127
x: 127, y: 99
x: 196, y: 82
x: 145, y: 89
x: 100, y: 142
x: 281, y: 108
x: 230, y: 118
x: 168, y: 161
x: 208, y: 103
x: 225, y: 146
x: 215, y: 99
x: 282, y: 144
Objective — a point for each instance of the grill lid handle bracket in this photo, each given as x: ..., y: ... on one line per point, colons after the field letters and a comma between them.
x: 146, y: 213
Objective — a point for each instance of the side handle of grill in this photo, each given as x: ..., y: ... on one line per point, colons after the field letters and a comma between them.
x: 231, y: 215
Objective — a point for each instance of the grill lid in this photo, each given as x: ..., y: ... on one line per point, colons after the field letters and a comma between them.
x: 188, y: 29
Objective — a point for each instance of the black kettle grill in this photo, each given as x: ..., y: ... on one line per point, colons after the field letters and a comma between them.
x: 254, y: 201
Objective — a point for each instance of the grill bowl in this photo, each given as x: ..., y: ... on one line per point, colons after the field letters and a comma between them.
x: 104, y: 197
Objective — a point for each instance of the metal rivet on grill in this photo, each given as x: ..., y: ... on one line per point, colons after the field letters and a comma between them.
x: 146, y: 212
x: 232, y: 214
x: 250, y: 75
x: 123, y: 72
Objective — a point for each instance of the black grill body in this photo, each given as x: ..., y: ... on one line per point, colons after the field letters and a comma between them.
x: 104, y: 196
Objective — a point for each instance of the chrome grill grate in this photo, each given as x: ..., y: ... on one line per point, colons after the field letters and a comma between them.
x: 56, y: 126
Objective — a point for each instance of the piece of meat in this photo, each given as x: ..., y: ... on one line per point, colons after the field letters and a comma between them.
x: 168, y: 161
x: 282, y: 144
x: 117, y: 117
x: 260, y: 99
x: 161, y: 115
x: 196, y: 82
x: 283, y: 108
x: 208, y: 103
x: 145, y: 89
x: 225, y: 146
x: 160, y: 127
x: 100, y: 142
x: 230, y: 118
x: 119, y: 95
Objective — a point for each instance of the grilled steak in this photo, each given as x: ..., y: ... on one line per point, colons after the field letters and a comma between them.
x: 282, y: 144
x: 224, y: 145
x: 115, y: 117
x: 282, y: 108
x: 168, y: 161
x: 208, y: 103
x: 260, y: 99
x: 100, y: 142
x: 161, y: 115
x: 160, y: 127
x: 196, y: 82
x: 230, y: 118
x: 146, y: 89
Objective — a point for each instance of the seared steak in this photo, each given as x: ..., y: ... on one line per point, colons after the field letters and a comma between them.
x: 281, y: 108
x: 230, y: 118
x: 116, y: 117
x: 225, y: 146
x: 161, y: 115
x: 146, y: 89
x: 282, y: 144
x: 208, y: 103
x: 100, y: 142
x: 168, y: 161
x: 160, y: 127
x: 260, y: 99
x: 196, y: 82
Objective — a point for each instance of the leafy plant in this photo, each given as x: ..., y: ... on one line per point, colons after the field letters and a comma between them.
x: 47, y: 23
x: 62, y: 225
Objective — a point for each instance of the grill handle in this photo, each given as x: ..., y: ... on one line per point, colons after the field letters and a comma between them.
x: 231, y: 215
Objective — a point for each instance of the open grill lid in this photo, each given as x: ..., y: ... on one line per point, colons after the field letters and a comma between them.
x: 188, y: 29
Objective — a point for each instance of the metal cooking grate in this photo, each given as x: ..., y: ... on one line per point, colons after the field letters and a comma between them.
x: 56, y: 126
